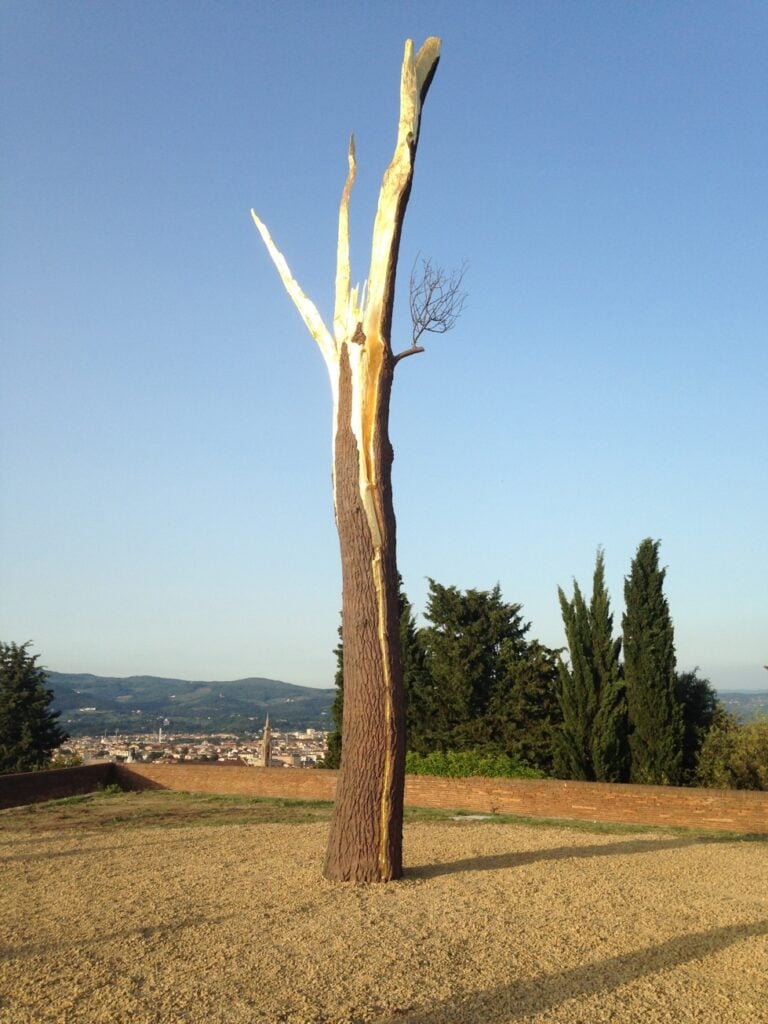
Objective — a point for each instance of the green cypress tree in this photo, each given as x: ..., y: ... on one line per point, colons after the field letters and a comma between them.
x: 609, y: 741
x: 592, y: 743
x: 655, y: 715
x: 29, y: 732
x: 576, y: 691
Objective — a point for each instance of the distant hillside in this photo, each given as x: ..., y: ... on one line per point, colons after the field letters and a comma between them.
x: 93, y: 705
x: 745, y: 704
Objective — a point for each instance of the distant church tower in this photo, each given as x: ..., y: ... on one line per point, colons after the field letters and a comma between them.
x: 266, y: 746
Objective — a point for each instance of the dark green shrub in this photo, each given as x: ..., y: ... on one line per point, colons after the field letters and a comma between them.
x: 462, y: 764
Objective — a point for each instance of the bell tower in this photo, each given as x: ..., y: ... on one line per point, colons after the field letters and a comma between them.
x: 266, y: 745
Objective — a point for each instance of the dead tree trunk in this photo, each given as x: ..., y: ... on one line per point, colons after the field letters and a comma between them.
x: 365, y: 842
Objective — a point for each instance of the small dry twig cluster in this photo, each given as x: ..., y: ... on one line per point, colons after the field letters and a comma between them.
x: 436, y: 301
x: 436, y: 298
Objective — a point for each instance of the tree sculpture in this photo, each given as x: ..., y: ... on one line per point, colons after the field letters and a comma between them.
x: 365, y: 843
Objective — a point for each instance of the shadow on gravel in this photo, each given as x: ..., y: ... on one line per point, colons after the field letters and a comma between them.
x: 140, y: 934
x: 87, y: 850
x: 515, y: 860
x: 520, y: 999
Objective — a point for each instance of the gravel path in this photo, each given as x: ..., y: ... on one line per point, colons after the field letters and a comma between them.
x: 493, y: 923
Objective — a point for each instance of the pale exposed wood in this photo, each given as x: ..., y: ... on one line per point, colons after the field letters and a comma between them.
x: 345, y: 311
x: 416, y: 76
x: 308, y: 310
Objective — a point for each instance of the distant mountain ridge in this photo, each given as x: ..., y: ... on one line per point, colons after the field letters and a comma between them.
x: 745, y: 704
x: 91, y: 704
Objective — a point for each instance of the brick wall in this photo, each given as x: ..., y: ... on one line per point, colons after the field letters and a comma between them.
x: 32, y: 787
x: 719, y: 810
x: 294, y: 783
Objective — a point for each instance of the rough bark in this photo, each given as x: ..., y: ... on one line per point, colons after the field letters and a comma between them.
x: 365, y: 843
x: 365, y: 839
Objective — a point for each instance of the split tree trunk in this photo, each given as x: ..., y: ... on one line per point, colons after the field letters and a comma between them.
x: 365, y: 843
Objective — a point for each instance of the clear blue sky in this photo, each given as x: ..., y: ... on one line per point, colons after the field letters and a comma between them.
x: 165, y: 500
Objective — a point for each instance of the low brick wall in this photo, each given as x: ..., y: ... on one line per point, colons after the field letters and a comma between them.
x: 32, y: 787
x: 718, y: 810
x: 715, y: 809
x: 233, y: 779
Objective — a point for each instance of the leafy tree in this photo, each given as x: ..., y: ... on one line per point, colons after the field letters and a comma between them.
x: 464, y: 642
x: 485, y: 687
x: 29, y: 732
x: 655, y: 714
x: 525, y: 715
x: 700, y: 704
x: 713, y: 767
x: 65, y: 758
x: 749, y: 760
x: 415, y: 672
x: 734, y: 756
x: 592, y: 742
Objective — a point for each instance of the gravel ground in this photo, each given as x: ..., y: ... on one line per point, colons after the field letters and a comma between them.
x: 493, y: 923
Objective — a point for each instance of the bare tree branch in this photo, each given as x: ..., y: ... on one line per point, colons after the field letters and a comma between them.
x: 436, y: 302
x: 412, y: 351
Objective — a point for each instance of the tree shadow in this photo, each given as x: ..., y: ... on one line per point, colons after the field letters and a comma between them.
x: 523, y: 998
x: 87, y: 851
x: 514, y: 859
x: 145, y: 933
